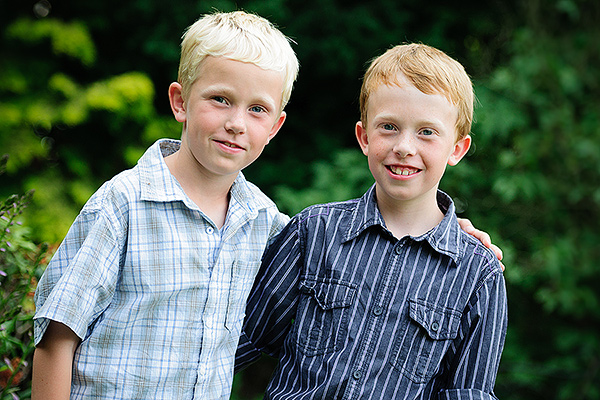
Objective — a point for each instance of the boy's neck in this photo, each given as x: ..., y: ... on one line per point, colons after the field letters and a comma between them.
x: 210, y: 194
x: 411, y: 217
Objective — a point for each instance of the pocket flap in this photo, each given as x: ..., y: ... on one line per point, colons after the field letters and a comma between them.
x: 329, y: 294
x: 439, y: 322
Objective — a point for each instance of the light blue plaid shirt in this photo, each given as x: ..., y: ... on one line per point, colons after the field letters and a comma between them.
x: 155, y: 291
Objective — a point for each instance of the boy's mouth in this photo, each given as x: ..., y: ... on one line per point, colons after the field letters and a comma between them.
x: 404, y: 171
x: 229, y: 144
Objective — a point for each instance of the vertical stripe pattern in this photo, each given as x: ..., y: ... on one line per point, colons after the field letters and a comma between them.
x: 354, y: 313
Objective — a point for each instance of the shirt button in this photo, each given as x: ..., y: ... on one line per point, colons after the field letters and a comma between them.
x: 398, y: 249
x: 210, y: 230
x: 357, y: 374
x: 378, y: 311
x: 435, y: 326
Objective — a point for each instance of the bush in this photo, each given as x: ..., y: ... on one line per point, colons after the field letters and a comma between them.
x: 21, y: 264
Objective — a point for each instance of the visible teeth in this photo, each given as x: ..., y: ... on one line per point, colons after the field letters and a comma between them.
x: 403, y: 171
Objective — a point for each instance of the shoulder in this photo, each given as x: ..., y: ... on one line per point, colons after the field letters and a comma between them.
x: 261, y: 200
x: 122, y: 188
x: 113, y: 201
x: 339, y: 209
x: 320, y: 224
x: 478, y: 258
x: 330, y: 219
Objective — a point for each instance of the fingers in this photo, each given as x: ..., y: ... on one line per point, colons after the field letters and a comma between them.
x: 485, y: 239
x: 466, y: 225
x: 497, y: 251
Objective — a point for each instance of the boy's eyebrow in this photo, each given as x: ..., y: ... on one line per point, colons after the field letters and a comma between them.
x: 208, y: 90
x: 423, y: 121
x: 227, y: 91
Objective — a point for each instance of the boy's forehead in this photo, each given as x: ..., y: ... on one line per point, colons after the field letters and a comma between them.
x: 210, y: 63
x: 391, y: 100
x: 400, y: 80
x: 226, y: 73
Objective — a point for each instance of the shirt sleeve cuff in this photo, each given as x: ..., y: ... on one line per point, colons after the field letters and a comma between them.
x: 39, y: 328
x: 246, y: 353
x: 471, y: 394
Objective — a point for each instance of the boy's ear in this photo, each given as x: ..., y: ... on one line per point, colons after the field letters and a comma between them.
x: 460, y: 149
x: 277, y: 126
x: 177, y: 102
x: 361, y: 136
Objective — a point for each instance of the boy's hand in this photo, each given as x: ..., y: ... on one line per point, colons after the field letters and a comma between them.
x: 483, y: 237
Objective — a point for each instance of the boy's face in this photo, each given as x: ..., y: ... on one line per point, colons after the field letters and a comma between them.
x: 232, y: 112
x: 409, y: 139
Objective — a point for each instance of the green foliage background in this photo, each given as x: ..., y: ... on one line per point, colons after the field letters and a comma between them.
x: 83, y: 91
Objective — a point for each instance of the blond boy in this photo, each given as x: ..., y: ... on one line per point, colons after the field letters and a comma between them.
x: 145, y: 297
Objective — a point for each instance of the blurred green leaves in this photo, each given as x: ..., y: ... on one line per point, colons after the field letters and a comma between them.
x: 47, y: 114
x: 70, y: 39
x: 539, y: 134
x: 21, y: 265
x: 345, y: 177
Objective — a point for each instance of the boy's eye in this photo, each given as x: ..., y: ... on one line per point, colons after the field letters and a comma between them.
x: 257, y: 109
x: 219, y: 99
x: 427, y: 132
x: 388, y: 127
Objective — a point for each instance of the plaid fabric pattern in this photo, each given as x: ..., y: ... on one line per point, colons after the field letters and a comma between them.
x: 155, y: 291
x: 354, y: 313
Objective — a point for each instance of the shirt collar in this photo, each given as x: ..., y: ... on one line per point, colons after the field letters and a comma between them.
x: 243, y: 194
x: 365, y: 215
x: 443, y: 238
x: 157, y: 183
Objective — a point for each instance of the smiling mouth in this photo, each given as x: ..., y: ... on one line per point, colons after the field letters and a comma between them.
x: 404, y: 171
x: 229, y: 144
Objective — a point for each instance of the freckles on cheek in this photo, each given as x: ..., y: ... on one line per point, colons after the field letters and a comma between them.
x: 378, y: 152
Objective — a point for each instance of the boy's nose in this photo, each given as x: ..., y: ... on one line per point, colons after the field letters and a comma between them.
x: 405, y: 145
x: 236, y: 123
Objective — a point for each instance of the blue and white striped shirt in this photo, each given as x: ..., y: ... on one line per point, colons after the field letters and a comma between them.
x: 153, y: 288
x: 354, y: 313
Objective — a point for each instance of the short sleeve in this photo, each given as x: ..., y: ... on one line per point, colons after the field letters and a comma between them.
x: 80, y: 280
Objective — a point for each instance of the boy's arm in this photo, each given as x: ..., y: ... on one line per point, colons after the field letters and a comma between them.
x: 473, y: 369
x: 53, y: 363
x: 482, y: 236
x: 272, y: 303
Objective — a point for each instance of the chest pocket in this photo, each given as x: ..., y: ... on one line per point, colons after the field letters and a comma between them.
x: 322, y: 317
x: 420, y: 349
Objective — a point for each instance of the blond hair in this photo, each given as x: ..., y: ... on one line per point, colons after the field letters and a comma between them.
x: 239, y: 36
x: 431, y: 71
